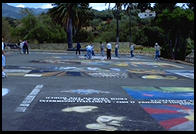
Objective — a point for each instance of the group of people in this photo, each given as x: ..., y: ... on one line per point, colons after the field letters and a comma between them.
x: 23, y: 46
x: 90, y: 50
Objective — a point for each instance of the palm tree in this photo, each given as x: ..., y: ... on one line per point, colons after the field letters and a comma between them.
x: 116, y: 11
x: 67, y: 14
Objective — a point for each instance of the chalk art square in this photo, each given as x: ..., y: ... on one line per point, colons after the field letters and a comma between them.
x: 184, y: 73
x: 146, y: 94
x: 172, y: 117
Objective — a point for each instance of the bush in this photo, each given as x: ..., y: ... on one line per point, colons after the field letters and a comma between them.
x: 190, y: 45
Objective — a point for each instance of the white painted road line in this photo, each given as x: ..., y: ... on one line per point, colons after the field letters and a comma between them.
x: 27, y: 101
x: 33, y: 75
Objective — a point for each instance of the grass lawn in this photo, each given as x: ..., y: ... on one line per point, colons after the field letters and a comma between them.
x: 123, y: 47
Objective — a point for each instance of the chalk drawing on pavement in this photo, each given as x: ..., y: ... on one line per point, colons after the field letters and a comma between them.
x: 4, y: 91
x: 80, y: 109
x: 148, y: 93
x: 155, y: 64
x: 107, y: 74
x: 121, y: 64
x: 115, y: 69
x: 174, y: 116
x: 185, y: 73
x: 56, y: 61
x: 86, y: 91
x: 159, y: 77
x: 107, y: 123
x: 140, y: 71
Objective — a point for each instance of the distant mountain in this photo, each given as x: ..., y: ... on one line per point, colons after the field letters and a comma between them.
x: 15, y: 12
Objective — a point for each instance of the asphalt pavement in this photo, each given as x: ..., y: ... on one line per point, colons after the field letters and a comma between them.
x: 47, y: 91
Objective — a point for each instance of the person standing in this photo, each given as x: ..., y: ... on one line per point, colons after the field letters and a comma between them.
x: 132, y: 47
x: 157, y: 51
x: 93, y: 52
x: 78, y: 48
x: 25, y: 47
x: 21, y: 46
x: 102, y: 48
x: 116, y: 49
x: 109, y: 48
x: 89, y: 51
x: 3, y: 59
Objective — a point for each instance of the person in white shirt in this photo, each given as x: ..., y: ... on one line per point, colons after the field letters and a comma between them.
x: 109, y: 48
x: 3, y: 60
x: 21, y: 46
x: 132, y: 49
x: 89, y: 51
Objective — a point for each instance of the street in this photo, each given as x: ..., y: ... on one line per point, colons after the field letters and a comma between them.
x: 47, y: 91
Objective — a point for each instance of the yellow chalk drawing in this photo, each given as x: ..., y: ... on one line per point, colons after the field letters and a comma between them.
x: 190, y: 113
x: 138, y: 71
x: 49, y: 74
x: 123, y: 64
x: 178, y: 89
x: 155, y: 64
x: 159, y: 77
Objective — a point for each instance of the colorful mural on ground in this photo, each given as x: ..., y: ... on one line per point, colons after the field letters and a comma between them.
x: 141, y: 71
x: 155, y: 64
x: 185, y: 73
x: 107, y: 74
x: 172, y: 117
x: 177, y: 117
x: 159, y: 77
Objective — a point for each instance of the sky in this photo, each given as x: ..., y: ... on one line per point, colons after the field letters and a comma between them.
x: 97, y: 6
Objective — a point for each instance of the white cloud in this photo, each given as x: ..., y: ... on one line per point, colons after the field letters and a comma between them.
x: 101, y: 6
x: 21, y: 5
x: 48, y: 5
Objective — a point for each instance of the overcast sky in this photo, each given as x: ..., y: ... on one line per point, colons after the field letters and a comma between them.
x: 97, y: 6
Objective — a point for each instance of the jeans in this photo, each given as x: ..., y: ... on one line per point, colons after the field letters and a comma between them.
x: 116, y: 52
x: 102, y: 52
x: 156, y: 55
x: 132, y: 55
x: 3, y: 60
x: 89, y: 54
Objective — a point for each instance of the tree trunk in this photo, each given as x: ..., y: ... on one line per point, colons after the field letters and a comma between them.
x: 117, y: 30
x: 175, y: 47
x: 171, y: 50
x: 130, y: 26
x: 69, y: 34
